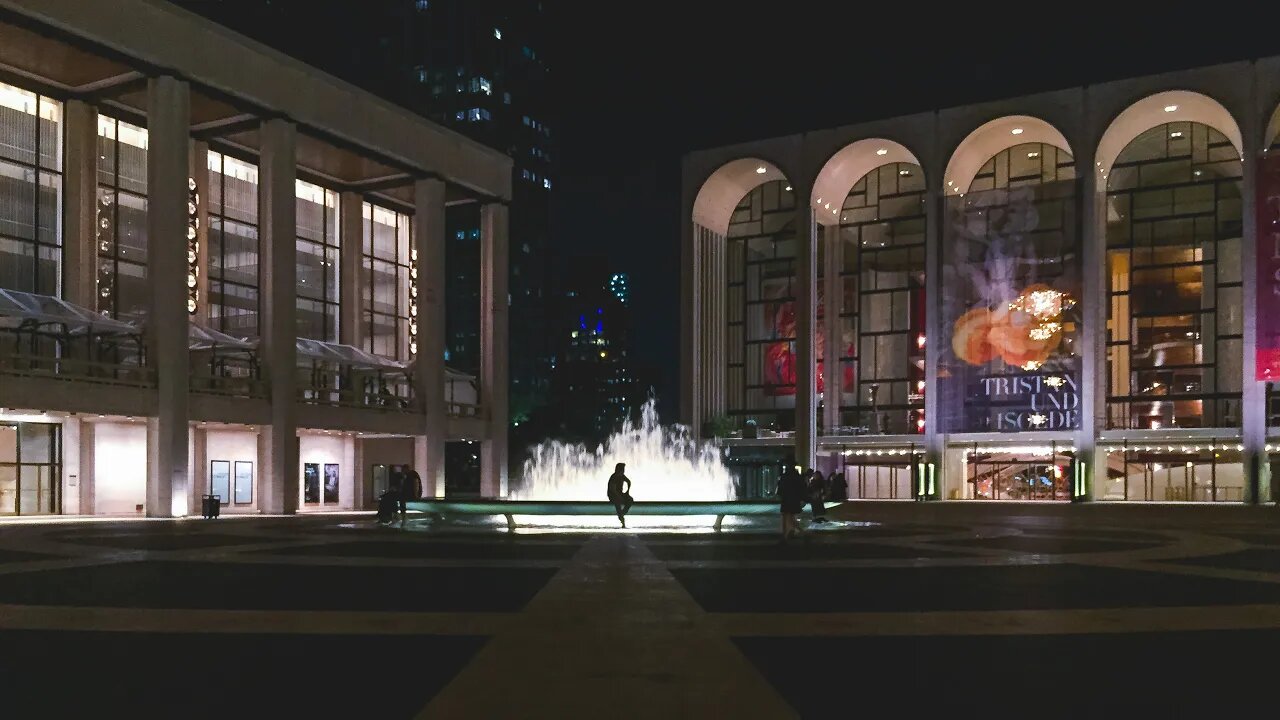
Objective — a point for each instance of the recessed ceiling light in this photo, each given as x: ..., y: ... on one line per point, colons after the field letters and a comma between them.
x: 1175, y: 134
x: 788, y: 188
x: 1170, y: 108
x: 1033, y: 154
x: 904, y: 172
x: 760, y: 170
x: 827, y: 206
x: 882, y: 151
x: 1016, y: 131
x: 819, y: 199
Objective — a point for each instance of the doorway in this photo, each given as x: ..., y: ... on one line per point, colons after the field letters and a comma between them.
x: 30, y: 468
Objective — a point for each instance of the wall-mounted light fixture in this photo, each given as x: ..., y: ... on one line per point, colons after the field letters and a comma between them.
x: 413, y: 301
x: 193, y: 247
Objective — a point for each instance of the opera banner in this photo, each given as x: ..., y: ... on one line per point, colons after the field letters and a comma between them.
x: 1268, y: 269
x: 778, y: 318
x: 1010, y: 287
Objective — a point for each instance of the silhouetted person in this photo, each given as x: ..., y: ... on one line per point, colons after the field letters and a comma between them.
x: 839, y: 491
x: 410, y: 489
x: 618, y: 495
x: 792, y: 492
x: 817, y: 488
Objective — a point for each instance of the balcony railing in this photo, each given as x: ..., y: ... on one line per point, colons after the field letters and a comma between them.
x: 43, y: 350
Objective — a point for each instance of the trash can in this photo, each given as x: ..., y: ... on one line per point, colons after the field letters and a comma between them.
x: 210, y: 506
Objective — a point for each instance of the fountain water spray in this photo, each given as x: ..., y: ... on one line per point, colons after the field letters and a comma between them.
x: 664, y: 463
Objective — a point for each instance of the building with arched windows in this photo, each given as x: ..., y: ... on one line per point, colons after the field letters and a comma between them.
x: 222, y: 272
x: 1072, y: 295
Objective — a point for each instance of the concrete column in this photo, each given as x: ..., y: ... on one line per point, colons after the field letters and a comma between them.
x: 1253, y: 398
x: 935, y: 440
x: 70, y: 479
x: 806, y: 320
x: 351, y: 276
x: 200, y: 470
x: 199, y: 171
x: 494, y: 302
x: 80, y: 183
x: 277, y: 269
x: 87, y: 446
x: 691, y: 300
x: 429, y: 377
x: 833, y: 347
x: 168, y: 129
x: 1094, y: 307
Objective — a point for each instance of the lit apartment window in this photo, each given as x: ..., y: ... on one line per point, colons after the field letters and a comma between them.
x: 497, y: 33
x: 461, y: 115
x: 546, y: 183
x: 527, y: 121
x: 423, y: 4
x: 506, y: 98
x: 423, y: 75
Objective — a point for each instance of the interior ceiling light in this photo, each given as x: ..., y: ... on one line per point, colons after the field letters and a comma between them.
x: 760, y: 170
x: 882, y: 151
x: 1175, y: 134
x: 788, y: 188
x: 1033, y: 154
x: 1170, y: 108
x: 1016, y: 131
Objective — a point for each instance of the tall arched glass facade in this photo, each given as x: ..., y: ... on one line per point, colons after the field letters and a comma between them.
x: 881, y: 344
x: 760, y: 277
x: 1175, y: 325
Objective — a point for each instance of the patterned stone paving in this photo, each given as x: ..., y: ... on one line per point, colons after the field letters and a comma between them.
x: 1044, y: 612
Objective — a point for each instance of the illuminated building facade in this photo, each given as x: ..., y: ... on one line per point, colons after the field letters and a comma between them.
x: 217, y: 278
x: 1064, y: 296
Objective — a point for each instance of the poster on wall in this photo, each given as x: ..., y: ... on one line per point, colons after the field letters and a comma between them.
x: 1268, y: 269
x: 330, y: 483
x: 244, y: 482
x: 1010, y: 289
x: 220, y: 480
x: 311, y: 483
x: 778, y: 318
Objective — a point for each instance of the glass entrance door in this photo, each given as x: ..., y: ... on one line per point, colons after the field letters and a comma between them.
x: 30, y: 468
x: 1011, y: 476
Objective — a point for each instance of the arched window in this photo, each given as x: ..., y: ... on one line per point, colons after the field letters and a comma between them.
x: 1175, y: 323
x: 760, y: 276
x: 880, y: 343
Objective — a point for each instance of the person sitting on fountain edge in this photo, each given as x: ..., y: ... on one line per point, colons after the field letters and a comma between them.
x: 620, y: 498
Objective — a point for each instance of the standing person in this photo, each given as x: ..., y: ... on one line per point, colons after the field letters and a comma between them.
x: 620, y: 497
x: 791, y: 494
x: 839, y: 490
x: 817, y: 488
x: 410, y: 489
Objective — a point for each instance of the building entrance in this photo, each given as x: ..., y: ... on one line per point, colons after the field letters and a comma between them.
x: 1019, y: 474
x: 30, y: 468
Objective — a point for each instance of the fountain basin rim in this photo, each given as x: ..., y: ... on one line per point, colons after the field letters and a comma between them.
x: 587, y: 507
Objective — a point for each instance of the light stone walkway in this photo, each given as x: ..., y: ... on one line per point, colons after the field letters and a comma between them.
x: 628, y: 641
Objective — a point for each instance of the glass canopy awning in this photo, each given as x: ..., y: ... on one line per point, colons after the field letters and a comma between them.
x: 23, y: 308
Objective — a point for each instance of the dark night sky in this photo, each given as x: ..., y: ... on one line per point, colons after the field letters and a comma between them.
x: 638, y: 85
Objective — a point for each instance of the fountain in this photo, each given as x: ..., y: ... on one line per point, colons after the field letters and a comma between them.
x: 664, y: 463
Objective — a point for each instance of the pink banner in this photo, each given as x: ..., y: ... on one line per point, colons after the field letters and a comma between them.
x: 1268, y: 269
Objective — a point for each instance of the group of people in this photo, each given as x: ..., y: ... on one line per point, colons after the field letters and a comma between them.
x: 797, y: 489
x: 405, y: 486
